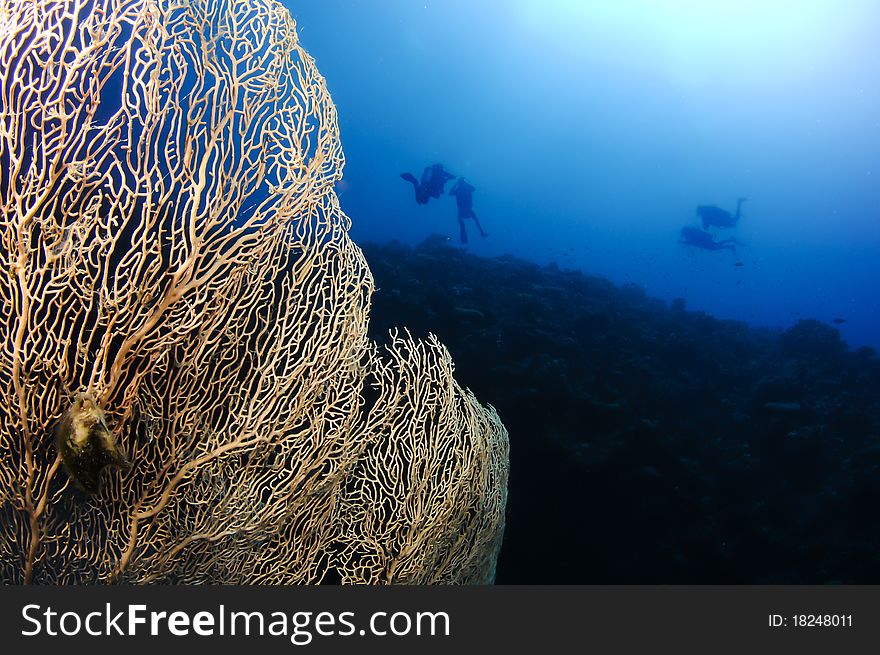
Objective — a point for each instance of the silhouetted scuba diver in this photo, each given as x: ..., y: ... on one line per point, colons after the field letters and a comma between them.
x: 437, y: 181
x: 463, y: 193
x: 712, y: 215
x: 694, y: 236
x: 434, y: 179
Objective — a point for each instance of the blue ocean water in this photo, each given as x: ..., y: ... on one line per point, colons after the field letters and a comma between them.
x: 592, y: 130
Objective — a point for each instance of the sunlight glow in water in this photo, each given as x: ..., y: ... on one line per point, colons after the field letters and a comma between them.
x: 696, y: 37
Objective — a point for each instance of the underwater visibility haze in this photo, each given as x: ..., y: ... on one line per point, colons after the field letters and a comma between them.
x: 440, y: 291
x: 593, y: 129
x: 676, y: 309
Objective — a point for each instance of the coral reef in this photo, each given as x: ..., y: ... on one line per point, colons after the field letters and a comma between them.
x: 651, y: 444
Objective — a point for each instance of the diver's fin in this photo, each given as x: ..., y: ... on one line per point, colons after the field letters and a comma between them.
x: 409, y: 177
x: 739, y: 202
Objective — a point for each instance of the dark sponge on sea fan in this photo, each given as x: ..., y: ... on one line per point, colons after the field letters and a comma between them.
x: 86, y: 444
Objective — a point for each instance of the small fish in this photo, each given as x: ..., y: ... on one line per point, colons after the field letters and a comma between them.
x: 739, y: 264
x: 838, y: 321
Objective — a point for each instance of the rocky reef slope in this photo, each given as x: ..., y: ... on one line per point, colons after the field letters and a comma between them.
x: 651, y: 444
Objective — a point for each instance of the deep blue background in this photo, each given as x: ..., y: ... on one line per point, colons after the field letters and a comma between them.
x: 593, y: 129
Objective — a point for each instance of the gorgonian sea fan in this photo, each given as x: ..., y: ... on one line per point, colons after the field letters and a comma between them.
x: 190, y: 394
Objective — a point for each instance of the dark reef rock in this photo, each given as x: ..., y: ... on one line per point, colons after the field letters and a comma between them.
x: 651, y: 444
